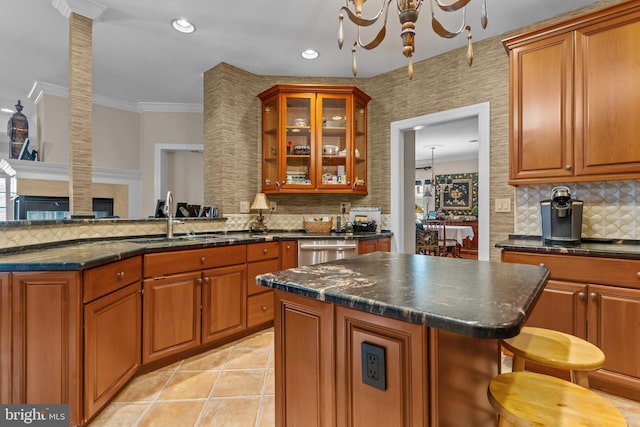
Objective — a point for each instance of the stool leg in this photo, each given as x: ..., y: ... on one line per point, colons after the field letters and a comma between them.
x: 517, y: 364
x: 581, y: 378
x: 504, y: 423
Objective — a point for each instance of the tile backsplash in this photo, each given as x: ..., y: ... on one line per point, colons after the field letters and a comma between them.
x: 611, y: 208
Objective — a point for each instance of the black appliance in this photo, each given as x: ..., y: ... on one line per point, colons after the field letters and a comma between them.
x: 561, y: 218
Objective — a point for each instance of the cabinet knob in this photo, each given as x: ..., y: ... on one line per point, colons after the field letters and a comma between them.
x: 207, y: 279
x: 593, y: 296
x: 264, y: 251
x: 264, y: 308
x: 638, y: 274
x: 203, y: 260
x: 289, y: 248
x: 568, y: 167
x: 120, y: 275
x: 542, y: 264
x: 581, y: 295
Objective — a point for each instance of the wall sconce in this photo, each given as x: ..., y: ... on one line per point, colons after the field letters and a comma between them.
x: 259, y: 204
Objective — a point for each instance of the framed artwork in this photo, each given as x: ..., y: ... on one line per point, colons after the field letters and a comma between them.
x: 458, y: 195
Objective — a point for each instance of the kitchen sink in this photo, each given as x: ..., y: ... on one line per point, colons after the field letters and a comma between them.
x: 184, y: 238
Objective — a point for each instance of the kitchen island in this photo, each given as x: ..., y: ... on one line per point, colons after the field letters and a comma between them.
x: 395, y: 339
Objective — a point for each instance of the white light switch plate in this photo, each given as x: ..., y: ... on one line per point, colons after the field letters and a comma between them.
x: 503, y: 205
x: 244, y: 207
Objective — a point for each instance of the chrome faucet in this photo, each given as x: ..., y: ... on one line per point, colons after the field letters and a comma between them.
x: 168, y: 211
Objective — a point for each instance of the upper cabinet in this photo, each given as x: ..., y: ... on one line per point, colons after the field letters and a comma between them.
x: 314, y: 139
x: 575, y: 99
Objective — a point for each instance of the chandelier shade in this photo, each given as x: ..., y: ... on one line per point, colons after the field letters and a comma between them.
x: 408, y: 12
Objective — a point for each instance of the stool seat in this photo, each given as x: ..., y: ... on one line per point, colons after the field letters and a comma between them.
x: 555, y: 349
x: 531, y: 399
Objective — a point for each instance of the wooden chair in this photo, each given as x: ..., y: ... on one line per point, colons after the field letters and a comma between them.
x: 531, y: 399
x: 445, y: 246
x: 427, y: 242
x: 557, y: 350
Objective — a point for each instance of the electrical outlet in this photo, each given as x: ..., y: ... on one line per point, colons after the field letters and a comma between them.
x: 345, y: 207
x: 373, y: 366
x: 273, y: 206
x: 244, y: 207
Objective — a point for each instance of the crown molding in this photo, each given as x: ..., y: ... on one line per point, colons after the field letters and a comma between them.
x: 88, y: 8
x: 40, y: 88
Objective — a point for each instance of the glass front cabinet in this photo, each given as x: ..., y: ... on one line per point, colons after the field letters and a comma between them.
x: 314, y: 139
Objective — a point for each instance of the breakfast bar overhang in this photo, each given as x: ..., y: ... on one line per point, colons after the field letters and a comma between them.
x: 395, y: 339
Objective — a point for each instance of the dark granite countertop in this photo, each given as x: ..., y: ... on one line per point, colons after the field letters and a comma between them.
x: 83, y: 254
x: 608, y: 248
x: 475, y: 298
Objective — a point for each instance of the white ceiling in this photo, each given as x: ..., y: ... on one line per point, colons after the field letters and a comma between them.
x: 138, y: 57
x: 453, y: 140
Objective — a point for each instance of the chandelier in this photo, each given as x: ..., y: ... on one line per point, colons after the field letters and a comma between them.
x: 408, y: 11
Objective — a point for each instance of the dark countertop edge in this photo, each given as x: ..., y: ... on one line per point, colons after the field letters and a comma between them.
x: 595, y: 247
x: 244, y: 237
x: 407, y: 314
x: 22, y: 223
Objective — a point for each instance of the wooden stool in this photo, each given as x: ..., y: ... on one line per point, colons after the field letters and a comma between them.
x: 555, y: 349
x: 530, y: 399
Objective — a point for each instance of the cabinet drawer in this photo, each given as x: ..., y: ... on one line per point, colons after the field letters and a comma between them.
x: 260, y: 308
x: 260, y: 251
x: 161, y: 264
x: 102, y: 280
x: 256, y: 268
x: 585, y: 269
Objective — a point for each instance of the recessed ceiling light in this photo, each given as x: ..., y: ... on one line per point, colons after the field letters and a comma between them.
x: 418, y: 127
x: 183, y: 26
x: 309, y: 54
x: 7, y: 110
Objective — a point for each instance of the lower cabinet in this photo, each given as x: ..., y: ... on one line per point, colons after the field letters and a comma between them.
x: 112, y: 345
x: 602, y: 313
x: 382, y: 244
x: 5, y: 339
x: 46, y: 340
x: 171, y: 319
x: 223, y: 302
x: 431, y: 377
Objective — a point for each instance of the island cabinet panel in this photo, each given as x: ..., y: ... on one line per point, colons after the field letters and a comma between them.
x: 171, y: 316
x: 304, y: 362
x: 581, y: 299
x: 112, y: 345
x: 403, y: 402
x: 223, y: 302
x: 5, y: 339
x: 46, y: 339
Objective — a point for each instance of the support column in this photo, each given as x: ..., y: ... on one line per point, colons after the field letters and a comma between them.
x: 80, y: 115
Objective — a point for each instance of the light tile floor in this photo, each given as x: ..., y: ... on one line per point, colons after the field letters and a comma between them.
x: 231, y: 386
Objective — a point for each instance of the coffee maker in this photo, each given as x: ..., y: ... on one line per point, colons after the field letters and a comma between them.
x: 561, y: 218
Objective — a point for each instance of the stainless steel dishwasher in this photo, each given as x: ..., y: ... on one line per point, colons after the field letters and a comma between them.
x: 322, y: 250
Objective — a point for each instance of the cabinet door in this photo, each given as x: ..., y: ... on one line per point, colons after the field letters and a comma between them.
x: 614, y: 326
x: 288, y: 254
x: 299, y: 167
x: 359, y: 132
x: 47, y: 316
x: 112, y: 345
x: 383, y: 244
x: 333, y: 136
x: 171, y: 319
x: 224, y: 302
x: 367, y: 246
x: 561, y: 307
x: 541, y: 85
x: 256, y: 268
x: 304, y: 362
x: 607, y: 85
x: 5, y: 339
x: 270, y: 145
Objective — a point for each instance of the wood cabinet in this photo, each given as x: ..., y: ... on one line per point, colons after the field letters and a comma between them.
x: 46, y: 339
x: 382, y: 244
x: 288, y: 254
x: 314, y: 139
x: 112, y: 330
x: 5, y: 338
x: 261, y: 258
x: 597, y: 299
x: 575, y: 93
x: 191, y: 297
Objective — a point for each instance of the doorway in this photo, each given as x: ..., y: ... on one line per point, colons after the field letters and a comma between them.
x: 403, y: 175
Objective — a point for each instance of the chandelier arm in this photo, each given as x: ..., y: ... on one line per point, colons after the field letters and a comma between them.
x: 439, y: 29
x: 375, y: 42
x: 361, y: 22
x: 453, y: 6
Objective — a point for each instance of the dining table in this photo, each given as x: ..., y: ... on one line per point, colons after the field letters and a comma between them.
x: 459, y: 232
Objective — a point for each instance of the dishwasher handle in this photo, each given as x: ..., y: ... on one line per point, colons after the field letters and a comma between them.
x: 328, y: 247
